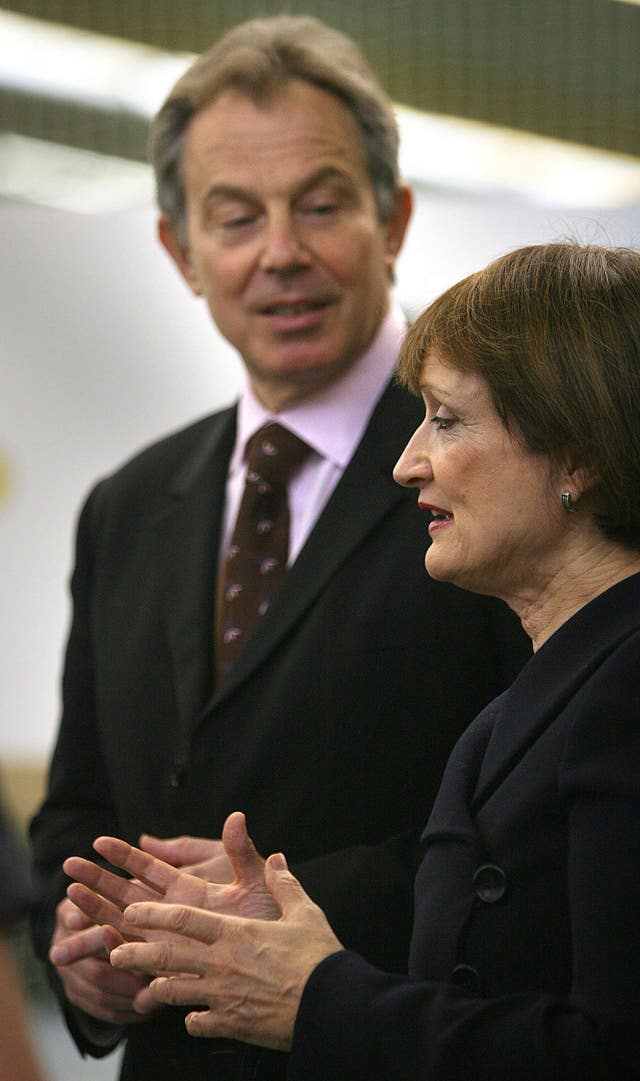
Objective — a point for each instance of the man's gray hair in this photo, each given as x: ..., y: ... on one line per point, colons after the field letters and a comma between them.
x: 257, y: 58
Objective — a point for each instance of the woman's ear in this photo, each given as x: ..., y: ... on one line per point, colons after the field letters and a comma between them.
x: 179, y: 252
x: 579, y: 480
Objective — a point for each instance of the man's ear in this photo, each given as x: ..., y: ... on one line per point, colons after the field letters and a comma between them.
x: 396, y: 226
x: 179, y: 252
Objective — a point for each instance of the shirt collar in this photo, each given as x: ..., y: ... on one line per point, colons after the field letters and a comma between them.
x: 333, y: 421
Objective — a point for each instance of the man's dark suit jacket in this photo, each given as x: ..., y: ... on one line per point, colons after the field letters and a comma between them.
x: 526, y: 948
x: 332, y: 730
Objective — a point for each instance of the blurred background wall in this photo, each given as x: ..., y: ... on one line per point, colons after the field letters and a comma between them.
x: 520, y: 122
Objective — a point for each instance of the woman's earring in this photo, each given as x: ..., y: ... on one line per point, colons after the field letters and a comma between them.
x: 566, y: 502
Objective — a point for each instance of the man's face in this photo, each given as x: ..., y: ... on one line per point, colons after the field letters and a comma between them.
x: 283, y: 237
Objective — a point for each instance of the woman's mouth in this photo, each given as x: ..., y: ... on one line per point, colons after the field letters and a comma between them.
x: 439, y: 516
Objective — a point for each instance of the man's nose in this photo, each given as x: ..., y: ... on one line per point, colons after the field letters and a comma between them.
x: 283, y: 249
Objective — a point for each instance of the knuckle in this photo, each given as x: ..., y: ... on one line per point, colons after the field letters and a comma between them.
x: 167, y: 991
x: 180, y: 918
x: 164, y: 955
x: 93, y: 969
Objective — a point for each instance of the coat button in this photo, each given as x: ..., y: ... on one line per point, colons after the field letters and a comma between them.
x: 467, y: 978
x: 176, y: 777
x: 490, y: 883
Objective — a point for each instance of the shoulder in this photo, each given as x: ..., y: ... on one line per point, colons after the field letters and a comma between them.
x: 161, y: 458
x: 164, y: 463
x: 603, y: 734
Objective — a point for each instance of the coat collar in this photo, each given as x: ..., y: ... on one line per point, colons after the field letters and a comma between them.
x: 553, y: 676
x: 190, y: 531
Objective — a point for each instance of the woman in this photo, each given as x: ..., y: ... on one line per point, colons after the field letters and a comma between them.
x: 526, y: 949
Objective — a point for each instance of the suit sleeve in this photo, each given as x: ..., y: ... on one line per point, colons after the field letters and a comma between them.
x: 357, y: 1021
x: 77, y: 807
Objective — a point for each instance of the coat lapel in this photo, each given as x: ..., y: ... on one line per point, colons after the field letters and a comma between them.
x: 365, y: 493
x: 553, y: 676
x: 190, y: 539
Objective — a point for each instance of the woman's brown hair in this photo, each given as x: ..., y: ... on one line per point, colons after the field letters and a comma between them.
x: 554, y: 329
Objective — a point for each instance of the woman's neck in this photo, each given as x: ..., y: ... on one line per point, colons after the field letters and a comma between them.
x: 584, y: 572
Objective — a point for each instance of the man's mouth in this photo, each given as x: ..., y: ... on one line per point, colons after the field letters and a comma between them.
x: 288, y: 308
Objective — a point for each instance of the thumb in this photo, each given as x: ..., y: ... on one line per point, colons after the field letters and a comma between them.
x: 283, y: 886
x: 246, y: 861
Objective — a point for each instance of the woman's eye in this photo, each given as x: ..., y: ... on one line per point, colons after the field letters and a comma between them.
x: 442, y: 423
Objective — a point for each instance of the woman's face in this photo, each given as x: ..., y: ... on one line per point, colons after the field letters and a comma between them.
x: 495, y: 516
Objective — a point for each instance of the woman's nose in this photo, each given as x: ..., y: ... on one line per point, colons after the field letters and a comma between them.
x: 413, y: 467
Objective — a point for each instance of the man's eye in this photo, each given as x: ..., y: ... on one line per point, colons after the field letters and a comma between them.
x: 442, y: 423
x: 237, y: 222
x: 320, y: 210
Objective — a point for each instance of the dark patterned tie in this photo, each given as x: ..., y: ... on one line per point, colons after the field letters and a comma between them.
x: 256, y: 559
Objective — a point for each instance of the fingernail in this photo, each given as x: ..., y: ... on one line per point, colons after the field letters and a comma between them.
x: 131, y: 915
x: 58, y: 955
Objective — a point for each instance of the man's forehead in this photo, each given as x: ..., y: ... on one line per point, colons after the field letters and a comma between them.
x: 300, y: 120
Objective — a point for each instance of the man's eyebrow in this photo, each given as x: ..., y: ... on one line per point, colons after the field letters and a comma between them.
x: 325, y: 172
x: 246, y: 195
x: 230, y: 191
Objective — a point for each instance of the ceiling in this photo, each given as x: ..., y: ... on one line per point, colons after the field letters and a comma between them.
x: 569, y: 69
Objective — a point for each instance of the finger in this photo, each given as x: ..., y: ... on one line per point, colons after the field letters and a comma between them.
x: 204, y: 1023
x: 248, y: 865
x: 90, y: 943
x: 70, y: 917
x: 155, y: 873
x: 178, y: 991
x: 100, y: 910
x: 283, y: 886
x: 111, y: 938
x: 217, y: 870
x: 145, y: 1003
x: 193, y: 923
x: 122, y: 891
x: 103, y: 992
x: 160, y: 957
x: 182, y: 851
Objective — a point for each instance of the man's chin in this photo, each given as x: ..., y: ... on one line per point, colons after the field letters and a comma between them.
x: 291, y: 380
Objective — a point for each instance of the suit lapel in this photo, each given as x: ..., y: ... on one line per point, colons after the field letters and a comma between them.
x: 190, y: 539
x: 364, y: 495
x: 553, y: 676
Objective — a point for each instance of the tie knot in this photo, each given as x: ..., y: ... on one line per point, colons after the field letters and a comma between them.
x: 273, y: 453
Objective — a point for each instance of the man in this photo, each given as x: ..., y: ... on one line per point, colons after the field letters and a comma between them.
x: 276, y: 161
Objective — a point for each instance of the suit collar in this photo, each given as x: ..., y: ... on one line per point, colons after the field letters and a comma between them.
x: 553, y: 676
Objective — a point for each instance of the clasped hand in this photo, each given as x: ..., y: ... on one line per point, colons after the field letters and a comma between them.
x: 243, y: 950
x: 89, y: 921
